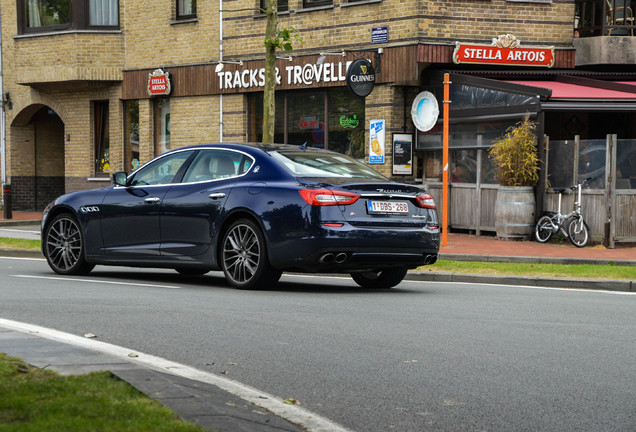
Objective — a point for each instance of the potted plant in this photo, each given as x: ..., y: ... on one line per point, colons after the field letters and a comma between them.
x: 517, y: 171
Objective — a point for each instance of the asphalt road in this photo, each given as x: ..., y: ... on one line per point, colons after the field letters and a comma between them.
x: 422, y: 357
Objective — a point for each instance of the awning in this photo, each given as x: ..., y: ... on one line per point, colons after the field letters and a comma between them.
x: 563, y: 91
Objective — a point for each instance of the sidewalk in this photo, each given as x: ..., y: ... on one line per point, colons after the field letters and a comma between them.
x: 20, y: 217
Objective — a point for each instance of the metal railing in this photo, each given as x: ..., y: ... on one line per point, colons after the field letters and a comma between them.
x: 604, y: 18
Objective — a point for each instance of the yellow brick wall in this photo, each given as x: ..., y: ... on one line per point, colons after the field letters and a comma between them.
x: 152, y: 39
x: 71, y: 70
x: 467, y: 20
x: 146, y: 130
x: 350, y: 27
x: 194, y: 120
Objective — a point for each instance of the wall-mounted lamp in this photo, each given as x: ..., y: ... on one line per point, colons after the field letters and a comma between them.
x: 6, y: 100
x: 378, y: 60
x: 220, y: 64
x: 323, y: 55
x: 285, y: 58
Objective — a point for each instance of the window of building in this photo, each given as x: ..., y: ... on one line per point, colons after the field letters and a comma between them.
x: 346, y: 123
x: 103, y: 13
x: 316, y: 3
x: 283, y: 5
x: 101, y: 137
x: 48, y: 13
x: 186, y: 9
x: 306, y: 118
x: 59, y: 15
x: 131, y: 135
x: 162, y: 126
x: 256, y: 118
x: 332, y: 119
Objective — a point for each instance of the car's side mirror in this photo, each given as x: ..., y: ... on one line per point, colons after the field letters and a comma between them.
x: 119, y: 178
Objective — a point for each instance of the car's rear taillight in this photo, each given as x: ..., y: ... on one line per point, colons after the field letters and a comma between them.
x: 426, y: 201
x: 325, y: 197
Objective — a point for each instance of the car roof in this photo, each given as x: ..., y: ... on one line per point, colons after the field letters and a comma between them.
x: 253, y: 145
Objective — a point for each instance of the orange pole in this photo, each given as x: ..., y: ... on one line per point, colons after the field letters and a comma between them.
x: 445, y: 161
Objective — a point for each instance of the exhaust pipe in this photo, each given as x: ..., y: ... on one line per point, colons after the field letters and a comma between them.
x: 430, y: 259
x: 341, y: 257
x: 327, y: 258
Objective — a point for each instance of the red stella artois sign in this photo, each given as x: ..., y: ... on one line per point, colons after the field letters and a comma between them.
x: 159, y: 83
x: 505, y: 50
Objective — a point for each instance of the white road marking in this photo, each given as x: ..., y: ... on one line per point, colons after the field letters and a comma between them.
x: 19, y: 230
x: 97, y: 281
x: 295, y: 414
x: 22, y: 258
x: 589, y: 291
x: 508, y: 286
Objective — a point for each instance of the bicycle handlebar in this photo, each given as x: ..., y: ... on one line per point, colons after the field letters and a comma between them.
x: 580, y: 184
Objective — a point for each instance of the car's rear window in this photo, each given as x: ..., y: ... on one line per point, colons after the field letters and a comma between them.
x: 309, y: 164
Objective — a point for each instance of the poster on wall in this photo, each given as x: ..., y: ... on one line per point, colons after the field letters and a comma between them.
x: 376, y: 142
x: 403, y: 154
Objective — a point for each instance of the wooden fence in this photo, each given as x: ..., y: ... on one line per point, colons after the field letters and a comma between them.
x: 610, y: 212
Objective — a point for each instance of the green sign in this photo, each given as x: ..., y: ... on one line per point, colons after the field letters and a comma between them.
x: 349, y: 122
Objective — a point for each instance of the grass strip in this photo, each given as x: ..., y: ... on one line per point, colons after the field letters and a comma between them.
x: 586, y: 271
x: 19, y: 243
x: 34, y: 400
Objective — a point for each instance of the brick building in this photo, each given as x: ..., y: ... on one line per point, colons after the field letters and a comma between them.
x: 77, y: 73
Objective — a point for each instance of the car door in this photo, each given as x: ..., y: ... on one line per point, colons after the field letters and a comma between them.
x: 131, y: 215
x: 192, y: 209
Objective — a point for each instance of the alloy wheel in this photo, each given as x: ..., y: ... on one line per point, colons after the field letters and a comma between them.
x: 64, y: 246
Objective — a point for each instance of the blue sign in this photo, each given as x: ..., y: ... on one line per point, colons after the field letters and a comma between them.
x: 380, y: 34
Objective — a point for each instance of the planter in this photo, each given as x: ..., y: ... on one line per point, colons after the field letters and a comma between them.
x: 514, y: 212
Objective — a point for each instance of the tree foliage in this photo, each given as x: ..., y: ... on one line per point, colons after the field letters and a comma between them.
x: 516, y: 157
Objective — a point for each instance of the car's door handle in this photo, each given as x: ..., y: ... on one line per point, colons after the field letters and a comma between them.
x: 152, y: 200
x: 216, y: 195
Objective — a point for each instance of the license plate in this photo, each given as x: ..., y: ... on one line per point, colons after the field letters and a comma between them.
x: 387, y: 207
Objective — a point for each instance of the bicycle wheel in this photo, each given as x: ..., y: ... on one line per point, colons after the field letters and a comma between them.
x: 579, y: 232
x: 543, y: 229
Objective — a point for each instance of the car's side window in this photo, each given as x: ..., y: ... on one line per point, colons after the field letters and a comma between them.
x: 162, y: 171
x: 213, y: 165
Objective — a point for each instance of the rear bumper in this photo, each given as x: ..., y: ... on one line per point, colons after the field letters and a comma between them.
x: 348, y: 249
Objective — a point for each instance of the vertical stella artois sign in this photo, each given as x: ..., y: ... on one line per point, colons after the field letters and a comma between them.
x: 505, y: 50
x: 159, y: 83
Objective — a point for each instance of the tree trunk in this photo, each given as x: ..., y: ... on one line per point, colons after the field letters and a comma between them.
x: 269, y: 100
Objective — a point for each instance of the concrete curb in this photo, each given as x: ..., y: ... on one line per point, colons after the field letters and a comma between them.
x: 5, y: 223
x: 591, y: 284
x: 21, y: 253
x: 534, y: 259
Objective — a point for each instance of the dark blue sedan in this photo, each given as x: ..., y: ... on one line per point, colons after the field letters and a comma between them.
x: 250, y: 210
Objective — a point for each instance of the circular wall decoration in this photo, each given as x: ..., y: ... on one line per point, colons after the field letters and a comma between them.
x: 425, y: 111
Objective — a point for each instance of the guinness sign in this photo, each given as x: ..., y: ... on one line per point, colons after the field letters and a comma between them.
x: 361, y: 77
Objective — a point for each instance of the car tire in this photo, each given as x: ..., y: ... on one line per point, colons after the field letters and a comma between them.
x: 64, y: 246
x: 244, y: 257
x: 380, y: 279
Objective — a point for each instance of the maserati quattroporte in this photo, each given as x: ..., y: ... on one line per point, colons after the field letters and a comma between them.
x: 250, y: 210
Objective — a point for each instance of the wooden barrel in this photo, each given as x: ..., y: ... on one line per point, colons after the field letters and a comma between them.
x: 514, y: 212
